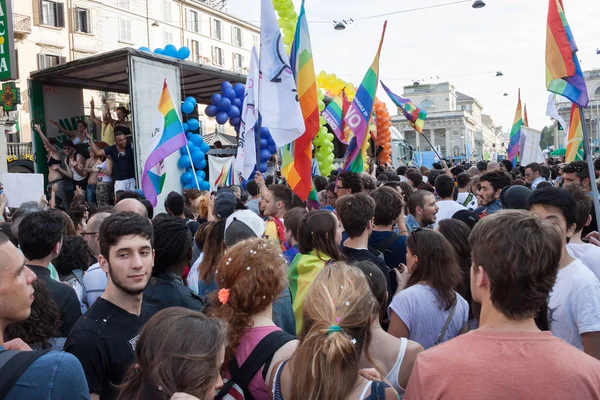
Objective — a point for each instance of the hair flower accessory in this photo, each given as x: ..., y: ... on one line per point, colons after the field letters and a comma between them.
x: 223, y: 296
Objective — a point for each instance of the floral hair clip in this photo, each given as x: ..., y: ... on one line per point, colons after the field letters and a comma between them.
x: 223, y: 295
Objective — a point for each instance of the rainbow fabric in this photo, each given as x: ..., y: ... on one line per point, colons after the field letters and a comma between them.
x: 358, y: 117
x: 167, y: 138
x: 575, y: 138
x: 515, y: 133
x: 334, y: 114
x: 563, y: 72
x: 225, y: 177
x: 296, y: 164
x: 414, y: 115
x: 525, y: 119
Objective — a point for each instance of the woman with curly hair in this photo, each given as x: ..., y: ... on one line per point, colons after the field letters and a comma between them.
x: 74, y: 259
x: 250, y: 277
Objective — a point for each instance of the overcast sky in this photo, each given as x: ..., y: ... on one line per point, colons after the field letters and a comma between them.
x: 461, y: 45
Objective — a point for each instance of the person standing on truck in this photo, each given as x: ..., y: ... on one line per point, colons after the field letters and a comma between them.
x: 123, y: 160
x: 56, y: 174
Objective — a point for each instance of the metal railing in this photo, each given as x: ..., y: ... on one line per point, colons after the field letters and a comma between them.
x: 21, y: 23
x: 19, y: 150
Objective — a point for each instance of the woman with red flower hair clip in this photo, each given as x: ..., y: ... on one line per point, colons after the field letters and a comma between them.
x: 250, y: 277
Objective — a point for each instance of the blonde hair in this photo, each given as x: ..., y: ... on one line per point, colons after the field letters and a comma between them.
x: 336, y: 318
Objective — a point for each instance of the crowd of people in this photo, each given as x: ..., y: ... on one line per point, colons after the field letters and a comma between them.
x: 456, y: 282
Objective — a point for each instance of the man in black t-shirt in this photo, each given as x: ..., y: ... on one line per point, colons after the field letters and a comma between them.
x: 104, y: 339
x: 121, y: 154
x: 175, y: 206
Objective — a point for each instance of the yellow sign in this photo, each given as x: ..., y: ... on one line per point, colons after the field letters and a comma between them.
x: 21, y: 157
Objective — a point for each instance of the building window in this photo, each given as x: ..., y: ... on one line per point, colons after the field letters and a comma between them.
x: 123, y: 4
x: 124, y: 30
x: 236, y: 36
x: 166, y: 8
x: 194, y: 47
x: 597, y: 92
x: 255, y: 41
x: 217, y: 31
x: 238, y: 62
x: 52, y: 13
x: 193, y: 23
x: 50, y: 60
x: 427, y: 104
x: 83, y: 20
x: 167, y: 37
x: 217, y: 56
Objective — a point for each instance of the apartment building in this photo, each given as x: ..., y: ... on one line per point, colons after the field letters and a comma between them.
x: 52, y: 32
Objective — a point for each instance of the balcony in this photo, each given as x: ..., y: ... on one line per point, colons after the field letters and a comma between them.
x: 21, y: 24
x: 19, y: 151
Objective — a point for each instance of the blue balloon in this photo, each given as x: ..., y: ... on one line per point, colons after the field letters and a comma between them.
x: 191, y: 185
x: 211, y: 111
x: 192, y: 100
x: 185, y: 127
x: 197, y: 158
x: 215, y: 99
x: 187, y: 107
x: 240, y: 90
x: 222, y: 117
x: 265, y: 155
x: 191, y: 147
x: 183, y: 151
x: 145, y: 49
x: 158, y: 50
x: 184, y: 162
x: 224, y: 104
x: 272, y: 149
x: 264, y: 132
x: 238, y: 103
x: 204, y: 185
x: 202, y: 165
x: 270, y: 139
x: 226, y: 85
x: 170, y: 51
x: 187, y: 177
x: 263, y: 167
x: 197, y: 140
x: 264, y: 143
x: 230, y: 94
x: 193, y: 124
x: 201, y: 175
x: 234, y: 112
x: 236, y: 129
x: 183, y: 53
x: 235, y: 121
x: 204, y: 147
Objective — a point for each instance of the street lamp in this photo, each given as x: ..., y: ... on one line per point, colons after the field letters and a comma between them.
x: 478, y: 4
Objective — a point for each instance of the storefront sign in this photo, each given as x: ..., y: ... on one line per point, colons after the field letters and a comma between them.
x: 8, y: 68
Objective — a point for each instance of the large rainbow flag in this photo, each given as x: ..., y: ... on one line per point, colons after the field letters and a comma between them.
x: 563, y: 72
x: 167, y: 138
x: 575, y: 138
x: 359, y: 115
x: 414, y: 115
x: 334, y: 114
x: 515, y: 132
x: 296, y: 164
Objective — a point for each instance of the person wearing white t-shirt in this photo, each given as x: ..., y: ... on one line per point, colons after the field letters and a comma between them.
x: 465, y: 197
x: 444, y: 187
x: 574, y: 302
x: 587, y: 253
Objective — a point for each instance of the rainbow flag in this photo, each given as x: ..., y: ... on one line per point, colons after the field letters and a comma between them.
x: 515, y: 133
x: 296, y: 164
x: 414, y: 115
x: 563, y: 72
x: 525, y: 119
x: 575, y: 138
x: 225, y: 177
x: 167, y: 138
x: 334, y: 114
x: 358, y: 117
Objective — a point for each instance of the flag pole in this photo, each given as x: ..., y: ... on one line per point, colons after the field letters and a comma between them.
x: 433, y: 148
x: 590, y: 165
x: 192, y: 164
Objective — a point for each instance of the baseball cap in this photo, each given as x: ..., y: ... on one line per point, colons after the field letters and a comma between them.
x: 225, y: 204
x: 514, y: 197
x: 242, y: 225
x: 466, y: 216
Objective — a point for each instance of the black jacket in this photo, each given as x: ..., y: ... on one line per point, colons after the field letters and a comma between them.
x: 168, y: 290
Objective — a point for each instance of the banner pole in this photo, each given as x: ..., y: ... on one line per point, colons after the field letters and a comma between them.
x: 588, y: 153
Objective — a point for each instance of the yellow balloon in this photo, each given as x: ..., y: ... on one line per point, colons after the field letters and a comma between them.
x: 288, y: 39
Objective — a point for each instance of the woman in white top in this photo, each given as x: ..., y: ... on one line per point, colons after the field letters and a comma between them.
x: 397, y: 355
x: 77, y: 136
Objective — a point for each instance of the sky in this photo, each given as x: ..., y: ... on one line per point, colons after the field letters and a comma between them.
x: 457, y: 43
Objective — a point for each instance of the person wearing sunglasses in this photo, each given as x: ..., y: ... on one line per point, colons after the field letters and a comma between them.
x: 94, y: 279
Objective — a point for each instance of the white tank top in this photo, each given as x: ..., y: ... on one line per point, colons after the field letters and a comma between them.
x: 76, y: 176
x: 102, y: 177
x: 392, y: 376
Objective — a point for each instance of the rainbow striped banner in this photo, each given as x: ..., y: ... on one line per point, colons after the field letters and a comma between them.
x: 167, y: 138
x: 414, y: 115
x: 221, y: 172
x: 515, y: 132
x: 358, y: 117
x: 575, y: 138
x: 563, y: 72
x: 297, y: 156
x: 334, y: 114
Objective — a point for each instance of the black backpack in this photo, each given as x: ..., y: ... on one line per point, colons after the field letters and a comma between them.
x: 13, y: 364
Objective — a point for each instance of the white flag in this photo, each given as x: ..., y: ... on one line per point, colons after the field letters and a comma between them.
x: 278, y: 103
x: 531, y: 150
x: 551, y: 111
x: 246, y: 153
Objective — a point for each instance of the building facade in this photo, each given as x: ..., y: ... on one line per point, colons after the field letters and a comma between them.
x: 52, y: 32
x: 455, y: 124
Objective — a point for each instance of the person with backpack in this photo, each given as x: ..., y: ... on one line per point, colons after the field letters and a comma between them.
x: 26, y: 374
x: 465, y: 197
x: 250, y: 278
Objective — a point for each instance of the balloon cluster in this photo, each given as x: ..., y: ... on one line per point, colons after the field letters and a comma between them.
x: 287, y: 21
x: 384, y: 135
x: 267, y: 148
x: 323, y: 142
x: 227, y: 105
x: 197, y: 150
x: 334, y: 85
x: 170, y: 51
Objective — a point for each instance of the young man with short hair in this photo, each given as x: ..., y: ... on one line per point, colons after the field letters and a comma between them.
x: 422, y: 210
x: 348, y: 182
x: 175, y: 207
x: 389, y: 211
x: 94, y: 279
x: 465, y: 197
x: 508, y: 356
x: 277, y: 199
x: 291, y: 221
x: 254, y: 192
x: 53, y: 375
x: 414, y: 178
x: 40, y: 240
x: 104, y: 339
x: 492, y: 184
x: 447, y: 207
x: 574, y: 303
x: 122, y: 156
x: 356, y: 212
x: 533, y: 175
x: 577, y: 172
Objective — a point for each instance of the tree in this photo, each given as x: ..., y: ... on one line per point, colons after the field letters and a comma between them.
x: 547, y: 139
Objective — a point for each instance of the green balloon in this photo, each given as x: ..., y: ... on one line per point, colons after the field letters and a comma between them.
x: 330, y: 137
x: 322, y: 121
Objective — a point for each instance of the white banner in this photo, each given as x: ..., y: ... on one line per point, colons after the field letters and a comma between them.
x: 246, y: 152
x: 221, y: 172
x: 531, y: 151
